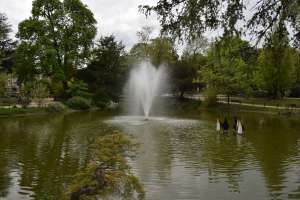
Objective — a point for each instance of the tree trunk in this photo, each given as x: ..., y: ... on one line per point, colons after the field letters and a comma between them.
x: 181, y: 94
x: 228, y: 99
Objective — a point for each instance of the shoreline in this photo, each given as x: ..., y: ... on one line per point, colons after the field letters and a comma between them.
x: 187, y: 105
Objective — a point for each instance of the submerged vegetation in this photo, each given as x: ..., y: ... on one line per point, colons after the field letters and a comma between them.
x: 108, y: 173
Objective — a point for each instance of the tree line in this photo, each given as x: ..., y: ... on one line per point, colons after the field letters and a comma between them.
x: 56, y: 48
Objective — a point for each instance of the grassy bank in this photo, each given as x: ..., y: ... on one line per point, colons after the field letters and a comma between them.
x: 285, y: 102
x: 16, y: 111
x: 195, y: 106
x: 247, y: 108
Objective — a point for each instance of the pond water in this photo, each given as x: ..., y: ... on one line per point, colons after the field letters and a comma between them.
x: 179, y: 158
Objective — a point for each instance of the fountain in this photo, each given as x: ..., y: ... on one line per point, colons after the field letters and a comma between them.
x: 144, y: 84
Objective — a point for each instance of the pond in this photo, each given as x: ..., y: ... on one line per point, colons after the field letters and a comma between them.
x: 179, y: 158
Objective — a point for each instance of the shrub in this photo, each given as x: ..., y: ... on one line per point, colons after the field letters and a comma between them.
x: 101, y: 104
x: 78, y: 103
x: 56, y: 107
x: 210, y: 97
x: 78, y: 88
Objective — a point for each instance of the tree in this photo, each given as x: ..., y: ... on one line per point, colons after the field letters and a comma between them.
x: 195, y: 54
x: 78, y: 88
x: 295, y: 90
x: 276, y: 63
x: 159, y: 51
x: 226, y: 68
x: 6, y: 44
x: 108, y: 173
x: 162, y: 51
x: 39, y: 92
x: 55, y: 40
x: 106, y: 72
x: 3, y: 82
x: 270, y: 13
x: 183, y: 76
x: 144, y: 36
x: 197, y: 46
x: 190, y: 18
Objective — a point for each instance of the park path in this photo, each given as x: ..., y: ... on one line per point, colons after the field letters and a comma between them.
x: 202, y: 98
x: 260, y: 106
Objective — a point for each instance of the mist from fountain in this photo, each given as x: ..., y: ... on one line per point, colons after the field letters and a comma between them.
x: 144, y: 85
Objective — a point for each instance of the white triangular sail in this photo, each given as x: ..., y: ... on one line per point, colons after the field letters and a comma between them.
x: 239, y: 127
x: 218, y: 128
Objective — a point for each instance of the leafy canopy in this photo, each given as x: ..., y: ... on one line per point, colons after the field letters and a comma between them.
x: 106, y: 72
x: 276, y: 65
x: 55, y: 40
x: 190, y: 18
x: 225, y: 69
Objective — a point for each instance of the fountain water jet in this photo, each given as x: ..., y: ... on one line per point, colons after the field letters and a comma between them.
x: 144, y: 84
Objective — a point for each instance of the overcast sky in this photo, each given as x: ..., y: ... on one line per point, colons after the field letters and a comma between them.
x: 118, y: 17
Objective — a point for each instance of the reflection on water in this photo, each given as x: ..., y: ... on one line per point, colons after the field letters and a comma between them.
x: 177, y: 159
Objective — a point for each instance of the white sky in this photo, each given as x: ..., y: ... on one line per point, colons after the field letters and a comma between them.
x: 118, y: 17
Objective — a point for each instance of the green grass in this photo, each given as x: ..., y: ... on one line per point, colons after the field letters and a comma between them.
x: 285, y: 102
x: 13, y: 111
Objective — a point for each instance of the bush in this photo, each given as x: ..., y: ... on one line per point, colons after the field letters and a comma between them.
x: 210, y: 97
x: 78, y: 103
x: 56, y: 108
x: 101, y: 104
x: 78, y: 88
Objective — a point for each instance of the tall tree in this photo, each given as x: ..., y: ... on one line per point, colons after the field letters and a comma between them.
x: 226, y: 68
x: 276, y: 63
x: 106, y: 72
x: 56, y: 39
x: 295, y: 90
x: 184, y: 75
x: 141, y: 51
x: 159, y: 51
x: 6, y: 43
x: 162, y: 51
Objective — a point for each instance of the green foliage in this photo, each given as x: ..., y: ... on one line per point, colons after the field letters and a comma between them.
x: 55, y: 40
x: 191, y: 18
x: 108, y: 173
x: 159, y: 51
x: 78, y: 103
x: 3, y: 82
x: 183, y: 75
x: 295, y: 89
x: 226, y: 66
x: 162, y: 51
x: 276, y: 61
x: 15, y: 110
x: 5, y: 42
x: 210, y: 97
x: 56, y: 107
x: 105, y: 74
x: 56, y: 88
x: 78, y: 88
x: 39, y: 92
x: 24, y: 95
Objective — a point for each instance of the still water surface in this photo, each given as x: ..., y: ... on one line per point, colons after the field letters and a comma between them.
x: 180, y: 158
